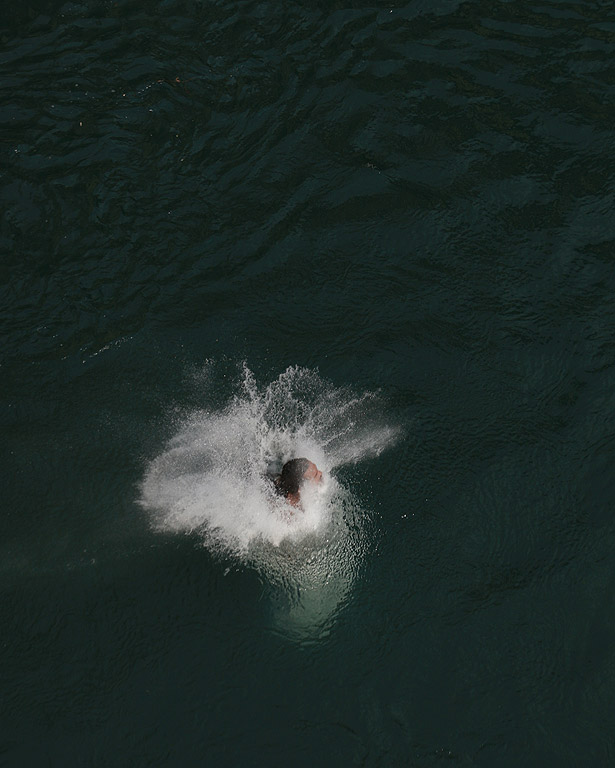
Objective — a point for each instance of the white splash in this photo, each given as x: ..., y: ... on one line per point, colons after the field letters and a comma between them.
x: 213, y: 479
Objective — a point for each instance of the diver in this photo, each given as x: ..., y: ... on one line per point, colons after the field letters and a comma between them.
x: 294, y: 473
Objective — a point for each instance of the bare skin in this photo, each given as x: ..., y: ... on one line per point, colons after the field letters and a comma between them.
x: 311, y: 475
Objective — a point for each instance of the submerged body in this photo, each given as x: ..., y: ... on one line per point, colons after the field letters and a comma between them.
x: 294, y: 474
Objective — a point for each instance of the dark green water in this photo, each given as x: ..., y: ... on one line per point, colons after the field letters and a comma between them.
x: 412, y: 199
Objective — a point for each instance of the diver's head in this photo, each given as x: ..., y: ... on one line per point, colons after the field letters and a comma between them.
x: 294, y: 473
x: 312, y: 473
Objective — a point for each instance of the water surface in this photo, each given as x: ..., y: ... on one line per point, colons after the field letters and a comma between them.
x: 411, y: 202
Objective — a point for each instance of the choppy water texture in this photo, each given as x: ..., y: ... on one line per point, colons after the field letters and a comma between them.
x: 414, y: 200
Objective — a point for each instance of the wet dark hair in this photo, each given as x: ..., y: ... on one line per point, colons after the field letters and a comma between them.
x: 289, y: 480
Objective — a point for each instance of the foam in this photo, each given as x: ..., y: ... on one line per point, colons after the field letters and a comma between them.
x: 211, y: 480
